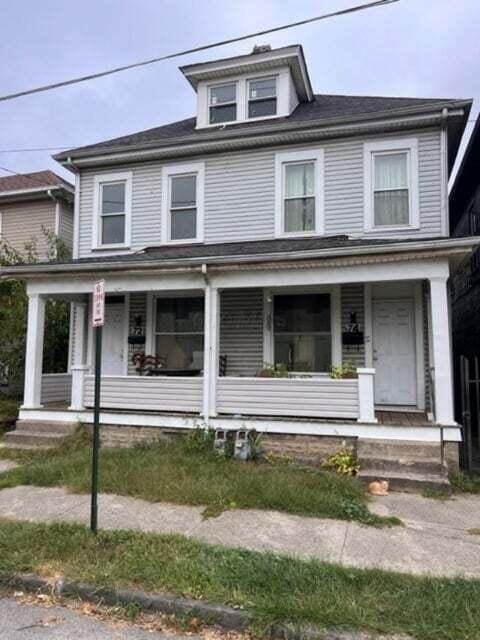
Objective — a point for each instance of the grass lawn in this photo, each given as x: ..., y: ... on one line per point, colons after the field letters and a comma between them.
x: 187, y: 471
x: 465, y: 483
x: 8, y: 410
x: 274, y: 589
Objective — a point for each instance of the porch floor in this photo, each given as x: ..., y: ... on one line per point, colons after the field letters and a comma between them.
x: 390, y: 418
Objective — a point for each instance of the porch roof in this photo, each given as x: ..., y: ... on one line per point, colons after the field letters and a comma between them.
x: 284, y: 249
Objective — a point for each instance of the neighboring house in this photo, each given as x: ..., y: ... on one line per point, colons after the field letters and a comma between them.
x: 33, y: 202
x: 465, y: 288
x: 277, y: 227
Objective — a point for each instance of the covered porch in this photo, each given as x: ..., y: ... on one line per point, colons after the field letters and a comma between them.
x: 328, y: 348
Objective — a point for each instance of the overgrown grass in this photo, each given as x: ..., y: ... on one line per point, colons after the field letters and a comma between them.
x: 8, y: 412
x: 465, y: 483
x: 275, y: 589
x: 186, y: 471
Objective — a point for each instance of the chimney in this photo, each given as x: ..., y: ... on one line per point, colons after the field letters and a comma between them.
x: 261, y: 48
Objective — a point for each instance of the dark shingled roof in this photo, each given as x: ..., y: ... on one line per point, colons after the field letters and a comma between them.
x: 324, y: 107
x: 231, y: 250
x: 37, y: 180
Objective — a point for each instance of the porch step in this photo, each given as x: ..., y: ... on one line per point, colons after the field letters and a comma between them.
x: 407, y: 481
x: 413, y: 465
x: 407, y: 465
x: 37, y: 434
x: 45, y: 426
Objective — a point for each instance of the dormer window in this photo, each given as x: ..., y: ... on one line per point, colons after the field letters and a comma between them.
x: 223, y: 103
x: 262, y: 97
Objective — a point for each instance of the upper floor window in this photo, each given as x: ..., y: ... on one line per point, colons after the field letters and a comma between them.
x: 223, y: 103
x: 183, y: 203
x: 299, y: 197
x: 391, y: 185
x: 112, y: 208
x: 262, y: 97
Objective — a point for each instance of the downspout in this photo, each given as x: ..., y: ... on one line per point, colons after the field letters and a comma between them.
x: 76, y: 210
x: 207, y: 347
x: 444, y: 212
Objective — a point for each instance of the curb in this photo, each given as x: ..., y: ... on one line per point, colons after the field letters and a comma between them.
x: 221, y: 615
x: 218, y: 614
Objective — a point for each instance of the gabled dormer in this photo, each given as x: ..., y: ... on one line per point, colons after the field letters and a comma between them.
x: 267, y: 83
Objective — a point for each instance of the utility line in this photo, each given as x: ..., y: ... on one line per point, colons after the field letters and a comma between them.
x: 100, y: 74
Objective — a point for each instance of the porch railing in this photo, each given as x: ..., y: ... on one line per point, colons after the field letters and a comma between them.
x: 56, y: 387
x: 319, y: 397
x: 138, y: 393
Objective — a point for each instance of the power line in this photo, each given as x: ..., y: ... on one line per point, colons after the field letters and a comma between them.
x: 100, y: 74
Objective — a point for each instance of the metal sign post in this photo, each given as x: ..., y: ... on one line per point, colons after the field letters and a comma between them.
x: 98, y: 320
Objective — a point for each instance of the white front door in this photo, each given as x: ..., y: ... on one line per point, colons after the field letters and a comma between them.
x: 113, y: 342
x: 394, y: 356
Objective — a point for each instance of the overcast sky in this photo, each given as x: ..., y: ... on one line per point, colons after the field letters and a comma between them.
x: 428, y: 48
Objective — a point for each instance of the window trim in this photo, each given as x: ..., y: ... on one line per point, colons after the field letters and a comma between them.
x: 334, y: 291
x: 381, y: 147
x: 99, y: 180
x: 306, y: 155
x: 152, y: 321
x: 223, y: 104
x: 249, y: 99
x: 168, y: 171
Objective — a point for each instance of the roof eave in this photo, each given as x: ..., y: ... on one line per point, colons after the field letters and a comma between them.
x: 453, y: 245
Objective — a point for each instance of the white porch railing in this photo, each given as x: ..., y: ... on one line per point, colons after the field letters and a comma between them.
x: 302, y: 397
x: 139, y: 393
x: 56, y: 387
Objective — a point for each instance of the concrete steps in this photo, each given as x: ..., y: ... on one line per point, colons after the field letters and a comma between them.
x: 37, y: 434
x: 408, y: 466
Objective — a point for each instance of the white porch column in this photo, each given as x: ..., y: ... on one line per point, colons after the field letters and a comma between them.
x: 211, y: 340
x: 441, y: 352
x: 78, y: 367
x: 366, y: 396
x: 78, y: 386
x: 34, y: 352
x: 79, y: 332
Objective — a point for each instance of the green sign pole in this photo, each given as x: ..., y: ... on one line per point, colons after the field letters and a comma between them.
x: 96, y: 428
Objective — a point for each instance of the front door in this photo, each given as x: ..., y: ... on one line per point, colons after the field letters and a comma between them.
x: 113, y: 347
x: 394, y: 352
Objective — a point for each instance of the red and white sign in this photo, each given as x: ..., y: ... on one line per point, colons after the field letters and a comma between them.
x: 98, y: 315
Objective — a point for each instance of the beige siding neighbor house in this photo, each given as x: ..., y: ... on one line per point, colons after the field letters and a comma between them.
x: 31, y: 203
x: 277, y: 262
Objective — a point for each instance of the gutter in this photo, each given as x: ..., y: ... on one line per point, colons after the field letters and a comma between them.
x: 199, y: 264
x: 259, y: 134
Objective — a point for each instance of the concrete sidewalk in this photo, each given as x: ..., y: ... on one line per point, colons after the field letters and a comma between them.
x: 436, y: 538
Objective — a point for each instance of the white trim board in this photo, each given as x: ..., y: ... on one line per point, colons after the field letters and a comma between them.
x: 273, y: 426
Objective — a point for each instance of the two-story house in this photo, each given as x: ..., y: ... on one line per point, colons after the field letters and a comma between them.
x: 31, y: 203
x: 250, y: 249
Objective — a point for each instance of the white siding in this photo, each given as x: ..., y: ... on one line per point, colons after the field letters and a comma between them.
x: 162, y: 393
x: 56, y: 387
x: 240, y: 194
x: 302, y: 397
x: 353, y: 302
x: 241, y: 330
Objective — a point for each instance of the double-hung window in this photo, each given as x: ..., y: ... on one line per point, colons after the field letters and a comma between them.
x: 302, y: 332
x: 183, y: 203
x: 113, y: 194
x: 299, y: 193
x: 262, y: 97
x: 391, y: 185
x: 222, y: 101
x: 179, y: 332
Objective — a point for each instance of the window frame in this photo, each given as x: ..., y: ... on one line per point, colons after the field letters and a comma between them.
x: 249, y: 99
x: 294, y: 157
x: 387, y: 147
x: 99, y: 181
x: 191, y: 294
x: 334, y: 291
x: 217, y: 85
x: 197, y: 168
